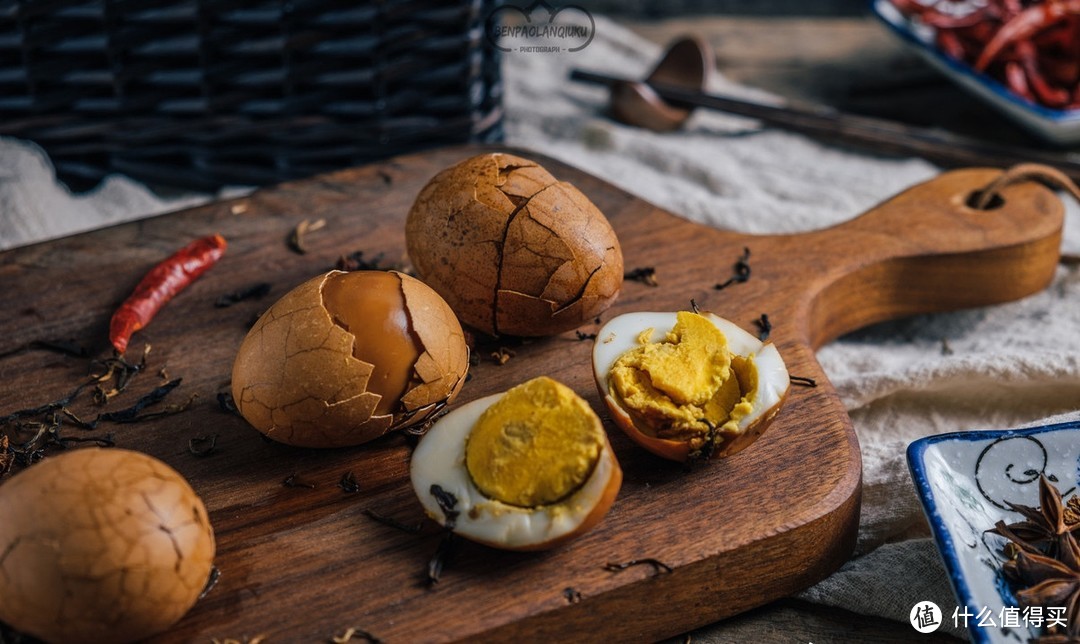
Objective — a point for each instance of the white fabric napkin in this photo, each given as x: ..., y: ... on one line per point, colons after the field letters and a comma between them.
x: 34, y: 207
x: 1009, y: 365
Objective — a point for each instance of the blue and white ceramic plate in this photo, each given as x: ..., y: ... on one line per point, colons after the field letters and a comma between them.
x: 963, y: 481
x: 1058, y: 126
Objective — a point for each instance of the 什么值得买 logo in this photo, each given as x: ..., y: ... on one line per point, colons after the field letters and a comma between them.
x: 540, y: 28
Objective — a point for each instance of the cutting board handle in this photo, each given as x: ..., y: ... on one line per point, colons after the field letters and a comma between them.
x: 928, y: 250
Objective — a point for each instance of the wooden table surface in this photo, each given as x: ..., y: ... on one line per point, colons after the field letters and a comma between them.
x: 837, y: 62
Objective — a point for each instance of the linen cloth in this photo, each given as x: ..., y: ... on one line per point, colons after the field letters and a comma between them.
x: 1009, y: 365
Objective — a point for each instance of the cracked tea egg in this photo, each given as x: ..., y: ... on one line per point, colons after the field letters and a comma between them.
x: 347, y: 357
x: 526, y: 469
x: 513, y: 250
x: 687, y: 385
x: 100, y: 545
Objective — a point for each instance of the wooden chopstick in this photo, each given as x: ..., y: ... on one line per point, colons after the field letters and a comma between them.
x: 872, y: 134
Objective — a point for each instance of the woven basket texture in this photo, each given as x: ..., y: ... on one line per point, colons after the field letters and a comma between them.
x: 204, y: 93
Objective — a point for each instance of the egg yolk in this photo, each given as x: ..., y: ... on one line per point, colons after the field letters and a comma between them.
x: 371, y: 306
x: 535, y: 446
x: 673, y: 386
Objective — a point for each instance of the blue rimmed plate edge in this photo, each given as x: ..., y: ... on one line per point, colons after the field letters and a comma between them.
x: 945, y: 546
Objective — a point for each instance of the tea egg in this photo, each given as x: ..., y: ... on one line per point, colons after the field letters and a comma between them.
x: 347, y: 357
x: 101, y: 545
x: 513, y: 250
x: 688, y: 385
x: 526, y: 469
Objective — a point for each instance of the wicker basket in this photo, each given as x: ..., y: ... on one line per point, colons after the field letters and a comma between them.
x: 202, y: 93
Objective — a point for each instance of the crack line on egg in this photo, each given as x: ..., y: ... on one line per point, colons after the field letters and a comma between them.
x: 504, y: 172
x: 352, y: 345
x: 163, y: 518
x: 501, y: 252
x: 331, y: 405
x: 511, y: 291
x: 7, y: 552
x: 417, y: 341
x: 581, y: 292
x: 554, y: 233
x: 542, y: 256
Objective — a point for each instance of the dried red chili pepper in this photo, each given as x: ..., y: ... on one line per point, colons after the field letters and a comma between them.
x: 161, y: 284
x: 1029, y: 45
x: 1025, y: 25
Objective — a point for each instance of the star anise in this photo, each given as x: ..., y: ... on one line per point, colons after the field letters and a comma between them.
x: 1044, y: 559
x: 1044, y: 529
x: 1046, y: 581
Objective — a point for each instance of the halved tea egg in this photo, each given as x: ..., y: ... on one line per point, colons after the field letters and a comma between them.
x: 527, y: 469
x: 688, y: 385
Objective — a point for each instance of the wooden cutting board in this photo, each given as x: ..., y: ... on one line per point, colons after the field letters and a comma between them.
x: 306, y: 564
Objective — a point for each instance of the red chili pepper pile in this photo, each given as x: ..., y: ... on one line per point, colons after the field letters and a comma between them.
x: 160, y: 285
x: 1031, y: 46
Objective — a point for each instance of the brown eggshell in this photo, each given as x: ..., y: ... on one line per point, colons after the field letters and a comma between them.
x: 296, y: 379
x: 100, y: 545
x: 512, y: 249
x: 680, y: 450
x: 442, y: 367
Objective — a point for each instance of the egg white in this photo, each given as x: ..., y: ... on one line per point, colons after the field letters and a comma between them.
x: 620, y: 334
x: 439, y: 459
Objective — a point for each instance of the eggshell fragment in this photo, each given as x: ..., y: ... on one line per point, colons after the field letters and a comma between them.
x: 621, y: 333
x: 100, y: 545
x: 300, y: 376
x: 513, y: 250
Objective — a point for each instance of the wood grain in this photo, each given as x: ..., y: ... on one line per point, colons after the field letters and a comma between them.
x: 303, y: 564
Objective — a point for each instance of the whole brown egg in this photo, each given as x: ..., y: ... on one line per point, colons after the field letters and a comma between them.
x: 100, y: 545
x: 512, y: 249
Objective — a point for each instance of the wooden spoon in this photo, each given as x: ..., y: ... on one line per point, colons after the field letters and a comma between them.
x: 686, y: 65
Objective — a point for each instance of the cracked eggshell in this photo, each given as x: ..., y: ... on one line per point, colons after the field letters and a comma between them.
x: 620, y: 334
x: 100, y: 545
x: 512, y: 249
x: 309, y: 377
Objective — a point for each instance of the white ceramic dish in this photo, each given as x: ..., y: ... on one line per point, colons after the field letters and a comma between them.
x: 1058, y: 126
x: 963, y: 480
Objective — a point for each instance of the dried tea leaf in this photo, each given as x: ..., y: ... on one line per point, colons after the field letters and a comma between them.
x: 741, y: 271
x: 348, y: 482
x: 255, y: 291
x: 298, y: 234
x: 645, y: 274
x: 130, y: 414
x: 202, y: 445
x: 658, y: 566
